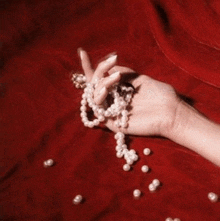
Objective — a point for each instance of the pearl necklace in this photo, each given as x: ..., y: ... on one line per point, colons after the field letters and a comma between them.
x: 122, y: 95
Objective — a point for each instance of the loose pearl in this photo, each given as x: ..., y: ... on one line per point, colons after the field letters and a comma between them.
x: 213, y: 197
x: 176, y: 219
x: 137, y: 193
x: 156, y: 182
x: 151, y: 187
x: 168, y: 219
x: 48, y: 163
x: 126, y: 167
x: 147, y: 151
x: 144, y: 168
x: 77, y: 199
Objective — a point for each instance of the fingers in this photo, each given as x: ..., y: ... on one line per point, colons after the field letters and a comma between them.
x: 104, y: 67
x: 122, y: 69
x: 86, y: 64
x: 101, y: 90
x: 100, y: 97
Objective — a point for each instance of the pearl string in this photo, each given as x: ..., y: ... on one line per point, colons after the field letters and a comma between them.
x: 122, y: 96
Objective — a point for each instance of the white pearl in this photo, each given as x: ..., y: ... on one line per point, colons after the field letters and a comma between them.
x: 132, y: 151
x: 126, y: 167
x: 117, y: 123
x: 86, y: 123
x: 136, y: 193
x: 83, y: 102
x: 96, y: 122
x: 118, y: 148
x: 83, y: 114
x: 119, y: 154
x: 213, y: 197
x: 120, y: 142
x: 107, y: 113
x: 146, y: 151
x: 101, y: 118
x: 130, y: 161
x: 156, y: 182
x: 77, y: 199
x: 168, y: 219
x: 144, y: 168
x: 101, y: 111
x: 134, y: 157
x: 176, y: 219
x: 124, y: 146
x: 124, y: 124
x: 83, y: 108
x: 48, y: 163
x: 151, y: 187
x: 90, y: 124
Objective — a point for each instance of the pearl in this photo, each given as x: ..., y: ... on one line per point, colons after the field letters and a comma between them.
x: 116, y: 109
x: 101, y: 111
x: 130, y: 161
x: 151, y: 187
x: 147, y: 151
x: 48, y: 163
x: 126, y: 167
x: 156, y: 182
x: 78, y: 199
x: 101, y: 118
x: 119, y: 154
x: 117, y: 123
x: 144, y: 168
x: 213, y: 197
x: 176, y: 219
x: 136, y: 193
x: 168, y: 219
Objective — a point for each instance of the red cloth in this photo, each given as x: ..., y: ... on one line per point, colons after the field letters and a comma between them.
x: 173, y: 41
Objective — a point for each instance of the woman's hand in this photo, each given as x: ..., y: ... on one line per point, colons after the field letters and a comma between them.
x: 156, y: 109
x: 153, y: 106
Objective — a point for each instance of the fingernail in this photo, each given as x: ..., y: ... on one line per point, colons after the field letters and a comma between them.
x: 102, y: 91
x: 80, y: 52
x: 115, y: 75
x: 112, y: 59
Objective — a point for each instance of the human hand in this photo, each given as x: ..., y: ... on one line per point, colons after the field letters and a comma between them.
x: 153, y: 106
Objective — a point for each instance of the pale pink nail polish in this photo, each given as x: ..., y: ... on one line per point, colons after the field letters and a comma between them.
x: 112, y: 59
x: 115, y: 75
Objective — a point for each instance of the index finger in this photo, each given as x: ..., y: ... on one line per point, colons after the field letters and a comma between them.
x: 86, y: 64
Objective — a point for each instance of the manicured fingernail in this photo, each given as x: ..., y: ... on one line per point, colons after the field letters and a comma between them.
x: 112, y: 59
x: 115, y: 75
x: 102, y: 91
x: 80, y: 52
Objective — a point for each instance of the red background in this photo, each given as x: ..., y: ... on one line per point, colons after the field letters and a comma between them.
x: 173, y: 41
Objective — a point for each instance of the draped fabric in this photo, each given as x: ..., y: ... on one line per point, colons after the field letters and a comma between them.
x: 174, y: 41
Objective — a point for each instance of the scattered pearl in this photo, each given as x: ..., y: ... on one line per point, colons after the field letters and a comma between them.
x: 126, y: 167
x: 147, y: 151
x: 151, y: 187
x: 213, y: 197
x: 137, y: 193
x: 144, y: 168
x: 77, y: 199
x: 176, y: 219
x: 168, y: 219
x: 156, y: 182
x: 48, y: 163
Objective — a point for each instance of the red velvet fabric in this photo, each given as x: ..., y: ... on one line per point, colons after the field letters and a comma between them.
x: 174, y: 41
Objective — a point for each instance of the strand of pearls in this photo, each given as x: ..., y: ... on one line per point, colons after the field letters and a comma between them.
x: 122, y: 96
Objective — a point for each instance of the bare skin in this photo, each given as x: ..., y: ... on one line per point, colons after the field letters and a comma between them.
x: 156, y: 109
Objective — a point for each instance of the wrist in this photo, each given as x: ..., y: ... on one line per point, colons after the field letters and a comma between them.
x: 180, y: 121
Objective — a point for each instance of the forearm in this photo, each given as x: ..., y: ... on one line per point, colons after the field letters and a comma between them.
x: 194, y: 131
